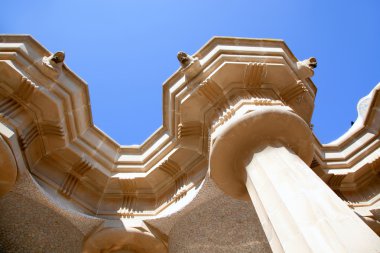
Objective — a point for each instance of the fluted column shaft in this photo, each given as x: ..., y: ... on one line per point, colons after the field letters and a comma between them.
x: 262, y: 156
x: 298, y: 211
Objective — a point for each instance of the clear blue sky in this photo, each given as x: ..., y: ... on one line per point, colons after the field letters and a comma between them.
x: 125, y: 50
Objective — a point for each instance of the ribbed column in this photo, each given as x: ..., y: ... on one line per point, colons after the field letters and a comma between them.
x: 262, y: 157
x: 298, y: 211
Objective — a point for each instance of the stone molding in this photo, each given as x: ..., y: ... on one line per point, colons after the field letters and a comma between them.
x: 253, y: 130
x: 48, y: 107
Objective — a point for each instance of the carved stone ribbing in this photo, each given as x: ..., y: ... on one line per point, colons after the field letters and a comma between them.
x: 179, y: 191
x: 9, y: 107
x: 180, y: 182
x: 179, y: 195
x: 335, y: 181
x: 227, y: 109
x: 48, y: 128
x: 254, y: 96
x: 176, y: 190
x: 25, y: 89
x: 170, y: 167
x: 264, y: 97
x: 69, y: 185
x: 73, y: 176
x: 222, y: 107
x: 27, y: 136
x: 236, y: 98
x: 253, y: 74
x: 189, y: 129
x: 290, y: 93
x: 210, y: 89
x: 209, y: 141
x: 128, y: 206
x: 127, y: 185
x: 81, y: 167
x: 314, y: 163
x: 375, y: 164
x: 226, y: 115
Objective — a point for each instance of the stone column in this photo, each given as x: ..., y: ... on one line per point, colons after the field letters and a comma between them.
x: 298, y: 211
x: 262, y: 156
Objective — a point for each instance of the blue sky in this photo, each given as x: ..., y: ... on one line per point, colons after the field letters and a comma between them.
x: 125, y: 50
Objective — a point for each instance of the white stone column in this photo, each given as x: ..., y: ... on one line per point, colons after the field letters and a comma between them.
x: 298, y: 211
x: 262, y: 157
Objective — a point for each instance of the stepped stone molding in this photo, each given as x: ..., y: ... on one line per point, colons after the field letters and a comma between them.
x: 211, y: 90
x: 228, y: 108
x: 69, y: 185
x: 170, y: 167
x: 294, y: 92
x: 179, y: 190
x: 73, y: 177
x: 26, y: 89
x: 52, y: 128
x: 189, y: 129
x: 225, y: 75
x: 335, y: 181
x: 254, y: 74
x: 180, y: 181
x: 314, y: 163
x: 250, y: 132
x: 48, y: 108
x: 191, y: 135
x: 128, y: 207
x: 82, y: 166
x: 28, y: 136
x: 9, y: 107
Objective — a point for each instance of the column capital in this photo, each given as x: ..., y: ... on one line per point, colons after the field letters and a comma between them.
x: 240, y: 138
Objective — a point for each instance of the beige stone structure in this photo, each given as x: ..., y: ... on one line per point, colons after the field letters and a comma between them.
x: 235, y: 166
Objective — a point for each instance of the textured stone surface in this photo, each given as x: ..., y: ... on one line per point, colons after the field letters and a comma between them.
x: 28, y: 226
x: 220, y: 225
x: 29, y: 188
x: 208, y: 192
x: 31, y: 220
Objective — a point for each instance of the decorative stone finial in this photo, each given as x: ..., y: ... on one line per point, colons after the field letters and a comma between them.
x: 306, y: 67
x: 53, y: 63
x: 190, y: 65
x: 311, y: 62
x: 184, y: 59
x: 58, y: 57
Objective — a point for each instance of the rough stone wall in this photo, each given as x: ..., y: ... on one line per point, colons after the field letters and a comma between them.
x: 28, y: 226
x: 221, y: 225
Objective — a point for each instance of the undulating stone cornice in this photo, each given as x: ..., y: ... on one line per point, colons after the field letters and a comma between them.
x: 352, y: 161
x: 48, y: 107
